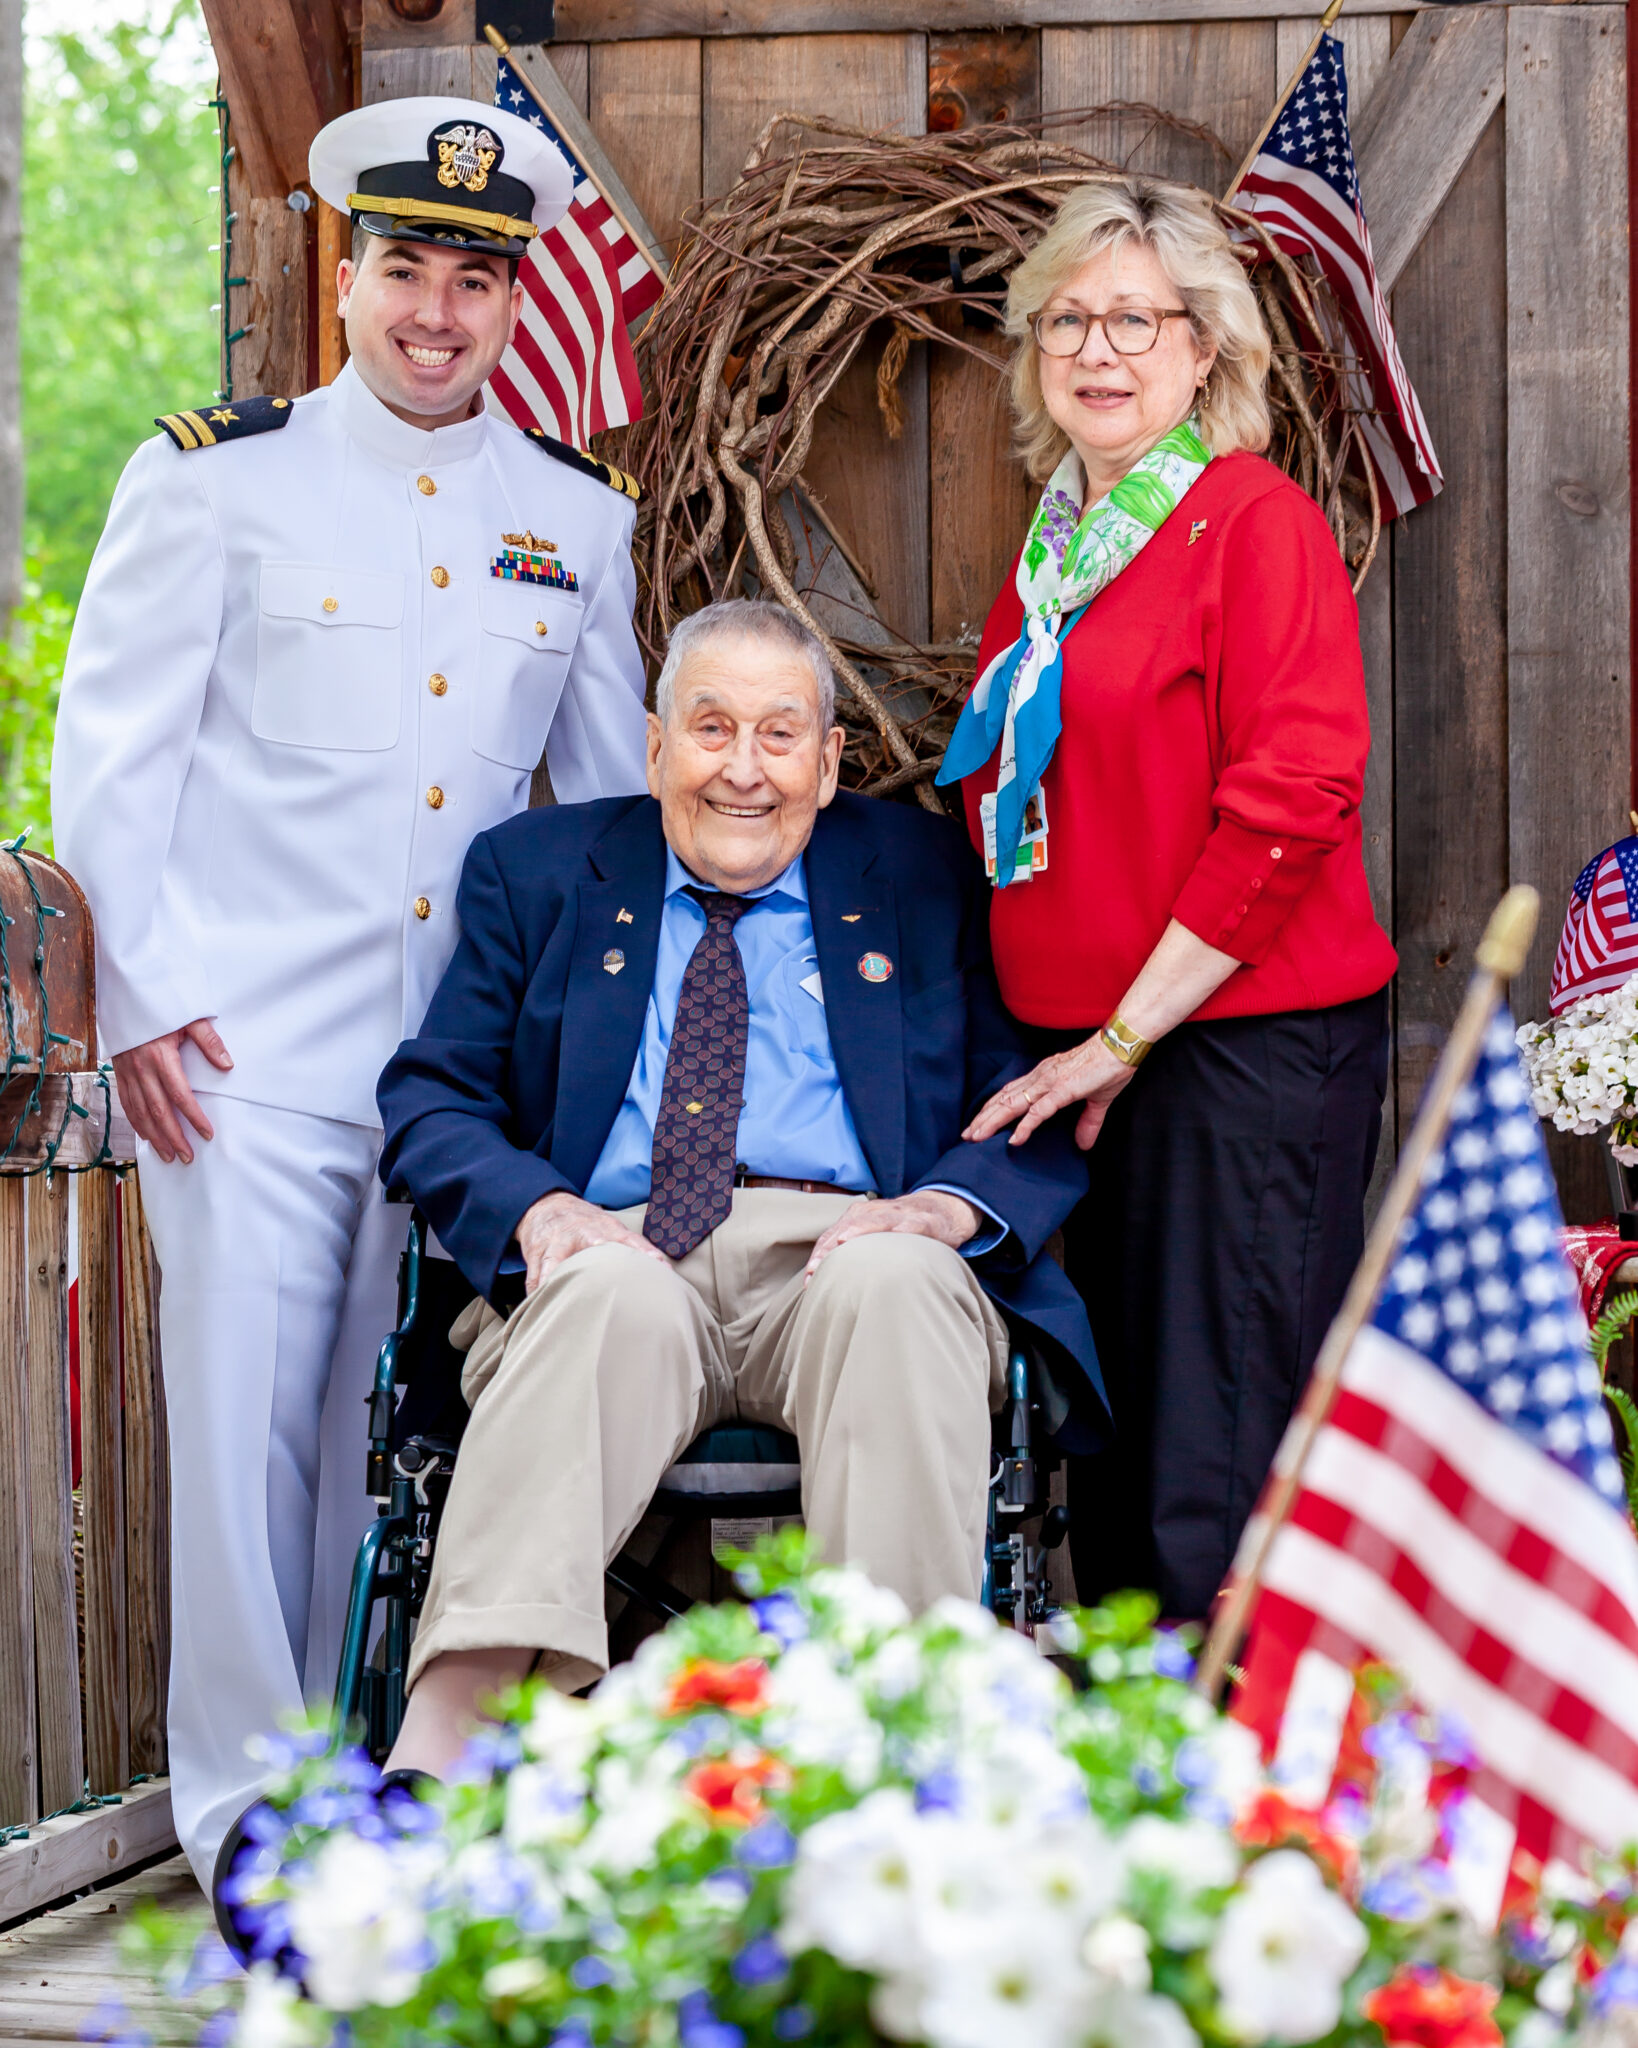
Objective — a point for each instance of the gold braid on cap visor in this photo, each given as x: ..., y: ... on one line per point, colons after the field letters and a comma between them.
x: 436, y: 209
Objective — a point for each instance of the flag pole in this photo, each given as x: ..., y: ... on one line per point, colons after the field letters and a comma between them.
x: 504, y: 49
x: 1501, y: 954
x: 1326, y: 19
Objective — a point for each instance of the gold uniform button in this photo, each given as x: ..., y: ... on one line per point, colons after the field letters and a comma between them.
x: 437, y: 684
x: 540, y: 628
x: 426, y: 487
x: 329, y: 604
x: 441, y: 578
x: 423, y: 909
x: 435, y: 798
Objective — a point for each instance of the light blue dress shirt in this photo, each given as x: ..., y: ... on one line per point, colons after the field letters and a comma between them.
x: 795, y: 1124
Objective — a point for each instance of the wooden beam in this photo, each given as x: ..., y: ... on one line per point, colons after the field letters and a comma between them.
x: 286, y: 69
x: 1568, y: 588
x: 64, y: 1856
x: 1446, y: 80
x: 81, y: 1137
x: 147, y: 1505
x: 102, y: 1484
x: 19, y: 1799
x: 51, y: 1507
x: 613, y: 21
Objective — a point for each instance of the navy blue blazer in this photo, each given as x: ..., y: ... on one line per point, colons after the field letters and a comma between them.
x: 513, y: 1082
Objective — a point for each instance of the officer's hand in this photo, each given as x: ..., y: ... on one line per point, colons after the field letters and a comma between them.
x: 925, y: 1212
x: 561, y: 1224
x: 154, y: 1091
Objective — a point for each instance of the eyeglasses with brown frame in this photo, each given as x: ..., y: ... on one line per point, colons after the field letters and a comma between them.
x: 1129, y: 330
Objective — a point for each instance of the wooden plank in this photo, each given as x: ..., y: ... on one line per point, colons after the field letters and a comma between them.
x: 644, y: 104
x: 980, y: 498
x: 874, y: 490
x: 455, y: 22
x: 1450, y: 607
x: 71, y: 1934
x: 1220, y: 74
x: 286, y: 70
x: 51, y: 1510
x: 1444, y: 84
x: 18, y: 1792
x: 107, y: 1736
x: 604, y: 21
x: 402, y: 72
x: 147, y: 1521
x: 270, y: 359
x: 103, y: 1131
x: 1568, y: 561
x: 334, y: 242
x: 65, y: 1855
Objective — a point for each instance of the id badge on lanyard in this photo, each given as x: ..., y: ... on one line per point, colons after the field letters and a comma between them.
x: 1032, y: 844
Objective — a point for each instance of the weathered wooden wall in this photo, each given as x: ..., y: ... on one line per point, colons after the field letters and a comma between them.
x: 1493, y: 152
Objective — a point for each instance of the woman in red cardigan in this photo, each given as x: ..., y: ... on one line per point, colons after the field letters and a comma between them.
x: 1162, y: 761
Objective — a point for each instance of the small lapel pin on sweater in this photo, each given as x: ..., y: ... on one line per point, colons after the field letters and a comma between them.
x: 613, y: 960
x: 851, y: 916
x: 622, y: 917
x: 1196, y: 530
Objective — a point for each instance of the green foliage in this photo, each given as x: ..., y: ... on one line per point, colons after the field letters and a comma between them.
x: 118, y: 281
x: 1619, y: 1312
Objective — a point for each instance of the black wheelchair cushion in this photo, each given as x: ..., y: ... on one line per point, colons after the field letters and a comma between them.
x: 738, y: 1458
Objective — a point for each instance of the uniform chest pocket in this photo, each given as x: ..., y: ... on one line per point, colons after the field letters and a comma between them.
x: 528, y: 634
x: 329, y: 658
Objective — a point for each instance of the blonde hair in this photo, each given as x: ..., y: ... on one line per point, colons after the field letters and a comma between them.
x: 1176, y: 224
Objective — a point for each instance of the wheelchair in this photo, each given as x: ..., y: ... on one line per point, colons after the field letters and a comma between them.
x: 417, y: 1415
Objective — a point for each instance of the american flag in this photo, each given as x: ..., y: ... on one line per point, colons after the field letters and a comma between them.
x: 1304, y: 188
x: 570, y: 368
x: 1598, y: 950
x: 1459, y: 1516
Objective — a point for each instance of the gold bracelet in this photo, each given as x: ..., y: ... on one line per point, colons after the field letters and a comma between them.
x: 1124, y: 1042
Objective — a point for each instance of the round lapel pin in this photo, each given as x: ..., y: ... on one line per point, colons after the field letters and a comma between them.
x: 875, y: 966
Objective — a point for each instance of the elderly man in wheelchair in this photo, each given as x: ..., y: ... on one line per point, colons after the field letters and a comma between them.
x: 687, y: 1112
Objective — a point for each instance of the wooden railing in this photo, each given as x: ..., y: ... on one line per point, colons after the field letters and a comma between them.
x: 84, y: 1605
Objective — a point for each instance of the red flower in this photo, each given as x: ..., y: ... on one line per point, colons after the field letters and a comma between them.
x: 1271, y: 1821
x: 1422, y: 2007
x: 741, y: 1688
x: 730, y: 1788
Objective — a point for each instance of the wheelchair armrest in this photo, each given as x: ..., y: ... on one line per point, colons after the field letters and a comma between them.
x: 383, y: 1399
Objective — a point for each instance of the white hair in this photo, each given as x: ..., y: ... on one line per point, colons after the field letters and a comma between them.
x: 745, y: 618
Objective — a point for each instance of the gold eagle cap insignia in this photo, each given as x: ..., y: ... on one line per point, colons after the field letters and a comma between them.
x: 466, y: 156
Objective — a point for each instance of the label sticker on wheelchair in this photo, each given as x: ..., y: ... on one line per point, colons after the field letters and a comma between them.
x: 737, y: 1532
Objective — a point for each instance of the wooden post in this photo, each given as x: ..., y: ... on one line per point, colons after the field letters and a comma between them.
x: 108, y: 1744
x: 147, y: 1532
x: 56, y: 1628
x: 18, y: 1801
x: 1500, y: 956
x: 332, y: 335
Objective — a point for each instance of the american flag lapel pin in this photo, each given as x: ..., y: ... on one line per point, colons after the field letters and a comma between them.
x: 1196, y: 530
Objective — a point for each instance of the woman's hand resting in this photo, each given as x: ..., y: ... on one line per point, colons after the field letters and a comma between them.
x: 1088, y: 1073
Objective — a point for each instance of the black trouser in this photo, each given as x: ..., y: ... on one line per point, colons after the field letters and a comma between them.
x: 1225, y: 1217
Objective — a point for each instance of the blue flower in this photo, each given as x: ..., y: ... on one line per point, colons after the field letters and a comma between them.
x: 768, y: 1846
x: 218, y: 2030
x: 212, y: 1962
x: 329, y: 1807
x: 488, y: 1754
x: 1395, y: 1895
x: 761, y: 1961
x: 1148, y: 1780
x: 793, y: 2023
x: 354, y: 1770
x: 590, y: 1973
x: 1617, y: 1986
x: 1193, y: 1765
x: 266, y: 1826
x: 572, y: 2034
x: 939, y: 1792
x: 699, y: 2027
x: 779, y: 1616
x: 104, y: 2021
x: 407, y: 1814
x: 698, y: 1733
x: 1172, y: 1656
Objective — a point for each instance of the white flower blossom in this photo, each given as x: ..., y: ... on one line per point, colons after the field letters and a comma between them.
x: 1117, y: 1950
x: 1122, y: 2018
x: 851, y: 1890
x: 1283, y: 1950
x: 272, y: 2013
x: 359, y: 1919
x: 1196, y: 1856
x: 1583, y: 1067
x: 815, y: 1716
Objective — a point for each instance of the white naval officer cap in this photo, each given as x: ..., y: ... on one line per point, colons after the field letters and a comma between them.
x: 442, y: 170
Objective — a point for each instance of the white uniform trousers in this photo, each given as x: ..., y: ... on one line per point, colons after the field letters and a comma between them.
x: 278, y: 1262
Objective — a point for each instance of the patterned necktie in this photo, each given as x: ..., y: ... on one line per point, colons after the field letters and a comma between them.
x: 697, y: 1130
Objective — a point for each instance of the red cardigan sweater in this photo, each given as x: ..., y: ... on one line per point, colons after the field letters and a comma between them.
x: 1209, y: 769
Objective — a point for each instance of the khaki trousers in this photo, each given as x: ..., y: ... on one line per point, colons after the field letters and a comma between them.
x: 885, y: 1369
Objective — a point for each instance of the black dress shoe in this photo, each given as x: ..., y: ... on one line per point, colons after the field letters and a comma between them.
x: 255, y: 1931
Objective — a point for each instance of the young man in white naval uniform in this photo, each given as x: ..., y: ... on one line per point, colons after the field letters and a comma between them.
x: 321, y: 646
